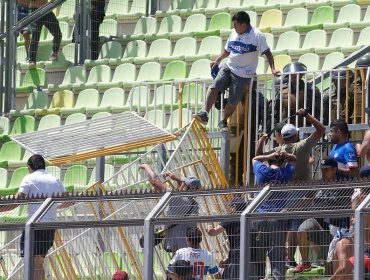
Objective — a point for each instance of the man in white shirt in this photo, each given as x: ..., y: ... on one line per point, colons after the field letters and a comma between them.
x: 38, y: 182
x: 243, y: 47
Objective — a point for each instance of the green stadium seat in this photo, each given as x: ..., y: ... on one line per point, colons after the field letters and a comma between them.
x: 133, y: 49
x: 219, y: 25
x: 199, y: 7
x: 124, y: 74
x: 36, y: 100
x: 321, y: 15
x: 168, y: 24
x: 317, y: 3
x: 100, y: 115
x: 110, y: 51
x: 341, y: 3
x: 112, y: 101
x: 295, y: 4
x: 165, y: 98
x: 347, y: 14
x: 49, y: 121
x: 174, y: 120
x: 34, y: 78
x: 65, y: 59
x: 314, y: 272
x: 23, y: 124
x: 314, y: 39
x: 73, y: 75
x: 365, y: 21
x: 139, y: 98
x: 3, y: 178
x: 270, y: 4
x: 280, y: 61
x: 192, y: 96
x: 61, y: 99
x: 157, y: 117
x: 269, y: 19
x: 337, y: 41
x: 261, y: 67
x: 247, y: 5
x: 222, y: 6
x: 331, y: 60
x: 158, y: 48
x: 175, y: 7
x: 20, y: 163
x: 86, y: 98
x: 209, y: 48
x: 10, y: 151
x: 22, y: 58
x: 99, y: 73
x: 115, y: 7
x: 363, y: 40
x: 149, y: 72
x: 200, y: 69
x: 75, y: 118
x: 311, y: 60
x: 75, y: 178
x: 184, y: 47
x: 67, y: 10
x: 174, y: 70
x: 53, y: 170
x: 295, y: 17
x: 270, y: 40
x: 108, y: 173
x: 107, y: 29
x: 286, y: 41
x: 4, y: 129
x: 43, y: 52
x: 144, y: 26
x: 15, y: 182
x: 194, y: 23
x: 137, y: 9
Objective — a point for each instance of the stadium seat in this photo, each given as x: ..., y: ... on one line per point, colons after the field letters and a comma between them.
x: 139, y: 98
x: 219, y: 25
x: 137, y: 10
x: 157, y: 117
x: 99, y: 73
x: 75, y: 178
x: 86, y: 98
x: 174, y: 70
x: 4, y: 129
x: 158, y: 48
x: 337, y: 41
x: 209, y: 48
x: 331, y: 60
x: 222, y: 6
x: 19, y: 163
x: 168, y: 24
x: 67, y: 10
x: 311, y: 60
x: 270, y: 40
x: 22, y: 58
x: 36, y: 100
x: 295, y: 17
x: 115, y: 7
x: 65, y: 59
x: 150, y: 71
x: 280, y: 61
x: 347, y: 14
x: 23, y: 124
x: 144, y: 26
x: 174, y: 120
x: 294, y: 4
x: 108, y: 173
x: 175, y: 7
x: 314, y: 39
x: 363, y: 40
x: 286, y: 41
x: 107, y: 29
x: 199, y: 7
x: 49, y: 121
x: 247, y: 5
x: 165, y: 98
x: 269, y: 19
x: 34, y: 78
x: 75, y: 118
x: 61, y: 99
x: 3, y: 178
x: 341, y: 3
x: 270, y: 4
x: 365, y: 21
x: 200, y: 69
x: 261, y: 67
x: 184, y: 47
x: 112, y: 101
x: 10, y: 151
x: 317, y: 3
x: 321, y: 15
x: 192, y: 96
x: 100, y: 115
x: 15, y: 182
x: 110, y: 51
x: 124, y: 74
x: 73, y: 75
x: 194, y: 23
x: 53, y: 170
x: 133, y: 49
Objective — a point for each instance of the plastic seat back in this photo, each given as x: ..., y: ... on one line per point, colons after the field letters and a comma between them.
x: 323, y: 14
x: 23, y: 124
x: 99, y: 73
x: 349, y: 13
x: 296, y: 16
x: 160, y: 47
x: 37, y: 100
x: 111, y: 50
x: 314, y: 39
x: 175, y: 70
x: 146, y: 25
x: 210, y: 4
x: 331, y: 60
x: 116, y: 5
x: 53, y: 170
x: 337, y: 38
x: 34, y: 77
x: 287, y: 40
x: 150, y: 71
x: 62, y: 99
x: 311, y: 60
x: 10, y: 151
x: 135, y: 48
x: 17, y: 177
x: 49, y: 121
x: 193, y: 94
x: 196, y: 22
x: 280, y: 61
x: 76, y: 176
x: 165, y: 95
x: 100, y: 115
x: 69, y: 52
x: 3, y: 178
x: 108, y: 27
x: 75, y: 118
x: 4, y: 126
x: 220, y: 21
x: 271, y: 18
x: 364, y: 37
x: 210, y: 45
x: 113, y: 97
x: 185, y: 46
x: 157, y: 117
x: 75, y: 74
x: 170, y: 24
x: 139, y: 97
x: 200, y: 70
x: 87, y: 98
x: 108, y: 172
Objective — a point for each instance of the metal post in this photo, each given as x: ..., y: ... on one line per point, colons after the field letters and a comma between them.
x: 153, y: 7
x: 149, y: 237
x: 100, y: 168
x: 162, y: 155
x: 225, y: 153
x: 83, y: 30
x: 29, y: 240
x: 9, y: 54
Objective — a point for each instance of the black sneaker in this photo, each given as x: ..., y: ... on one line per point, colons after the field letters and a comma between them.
x: 222, y: 125
x: 202, y: 116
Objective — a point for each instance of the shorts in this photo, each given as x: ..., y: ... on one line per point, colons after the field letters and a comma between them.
x: 237, y: 85
x: 43, y: 241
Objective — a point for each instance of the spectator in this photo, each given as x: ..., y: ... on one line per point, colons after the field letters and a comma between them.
x: 232, y: 229
x: 183, y: 270
x: 51, y: 23
x: 120, y: 275
x: 363, y: 149
x: 343, y: 151
x: 179, y: 206
x: 97, y: 15
x: 22, y: 12
x: 201, y: 260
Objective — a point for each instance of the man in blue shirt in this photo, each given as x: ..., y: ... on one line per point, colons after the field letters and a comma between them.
x: 344, y: 151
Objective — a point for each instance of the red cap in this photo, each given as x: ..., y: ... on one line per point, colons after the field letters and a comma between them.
x: 120, y: 275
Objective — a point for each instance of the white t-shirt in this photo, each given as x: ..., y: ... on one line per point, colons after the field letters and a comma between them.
x: 41, y: 183
x: 201, y: 260
x: 244, y: 50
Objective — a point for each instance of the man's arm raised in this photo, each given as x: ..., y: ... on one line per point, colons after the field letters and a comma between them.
x: 320, y: 128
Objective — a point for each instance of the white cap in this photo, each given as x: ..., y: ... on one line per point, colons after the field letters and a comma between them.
x: 288, y: 131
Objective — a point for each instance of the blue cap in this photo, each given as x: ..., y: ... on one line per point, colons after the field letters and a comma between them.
x: 215, y: 69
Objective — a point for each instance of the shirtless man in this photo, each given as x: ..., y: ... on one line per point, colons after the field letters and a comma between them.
x: 363, y: 149
x: 51, y: 23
